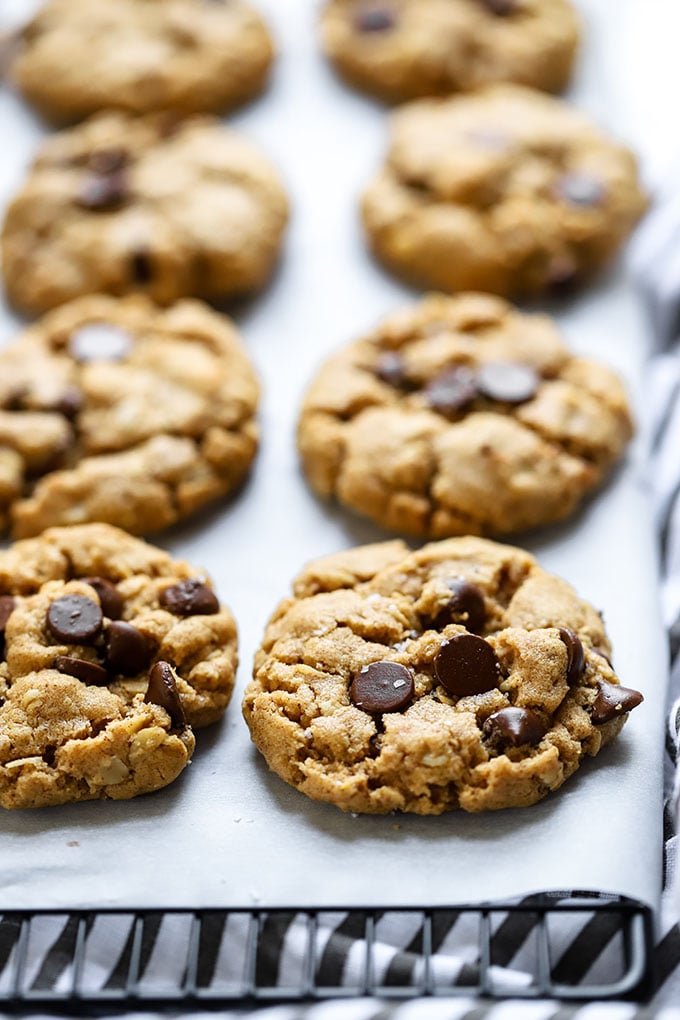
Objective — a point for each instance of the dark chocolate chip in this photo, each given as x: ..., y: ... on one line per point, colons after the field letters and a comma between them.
x: 452, y: 391
x: 102, y: 192
x: 111, y: 600
x: 466, y: 664
x: 466, y: 607
x: 580, y: 189
x: 7, y: 606
x: 507, y: 381
x: 613, y: 701
x: 375, y: 19
x: 391, y: 369
x: 576, y: 657
x: 512, y: 727
x: 81, y: 669
x: 99, y: 341
x: 189, y: 598
x: 108, y: 160
x: 74, y: 619
x: 501, y: 8
x: 128, y: 651
x: 162, y: 691
x: 382, y: 687
x: 141, y: 268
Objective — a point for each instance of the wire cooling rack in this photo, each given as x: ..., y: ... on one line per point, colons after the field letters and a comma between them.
x: 233, y: 956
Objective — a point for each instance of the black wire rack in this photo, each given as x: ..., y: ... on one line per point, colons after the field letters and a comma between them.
x: 71, y: 982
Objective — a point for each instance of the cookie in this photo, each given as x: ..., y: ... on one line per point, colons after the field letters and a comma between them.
x: 121, y: 205
x: 111, y: 652
x: 461, y: 415
x: 191, y: 56
x: 507, y: 190
x: 116, y: 410
x: 404, y: 49
x: 459, y: 676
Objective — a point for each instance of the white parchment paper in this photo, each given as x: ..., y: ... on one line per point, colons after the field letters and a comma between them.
x: 228, y: 833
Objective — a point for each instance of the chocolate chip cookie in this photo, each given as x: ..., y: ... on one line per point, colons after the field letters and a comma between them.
x: 111, y: 651
x: 461, y: 415
x: 403, y: 49
x: 506, y: 190
x: 459, y: 676
x: 75, y: 57
x: 120, y: 205
x: 112, y: 409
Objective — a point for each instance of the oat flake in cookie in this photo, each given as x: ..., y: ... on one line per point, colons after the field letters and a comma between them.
x: 379, y: 686
x: 111, y: 652
x: 156, y: 205
x: 116, y: 410
x: 403, y: 49
x: 79, y: 56
x: 462, y: 415
x: 506, y: 190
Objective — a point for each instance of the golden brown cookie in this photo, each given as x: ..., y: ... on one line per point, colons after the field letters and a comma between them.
x: 76, y: 57
x: 112, y: 409
x: 459, y: 676
x: 111, y: 652
x: 506, y: 190
x: 121, y: 205
x: 462, y: 415
x: 404, y: 49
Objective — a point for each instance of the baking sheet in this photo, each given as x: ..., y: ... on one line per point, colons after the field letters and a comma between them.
x: 229, y: 833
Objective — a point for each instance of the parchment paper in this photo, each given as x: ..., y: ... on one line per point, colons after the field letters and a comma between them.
x: 228, y: 833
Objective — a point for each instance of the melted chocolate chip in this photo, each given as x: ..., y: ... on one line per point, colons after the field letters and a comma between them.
x: 576, y: 657
x: 375, y: 19
x: 507, y: 381
x: 391, y: 369
x: 7, y: 606
x: 466, y: 607
x: 613, y: 701
x: 562, y: 275
x: 141, y: 268
x: 110, y: 598
x: 189, y: 598
x: 382, y: 687
x: 109, y: 160
x: 102, y: 192
x: 581, y: 189
x: 81, y: 669
x: 128, y: 651
x: 74, y: 619
x: 452, y: 391
x: 99, y: 341
x: 501, y: 8
x: 466, y: 664
x: 162, y: 691
x: 512, y: 727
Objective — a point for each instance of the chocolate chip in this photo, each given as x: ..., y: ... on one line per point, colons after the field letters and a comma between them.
x: 382, y: 687
x: 580, y: 189
x: 508, y: 381
x: 142, y: 268
x: 189, y: 598
x: 562, y: 275
x: 466, y: 607
x: 7, y: 606
x: 501, y: 8
x: 466, y: 664
x: 391, y: 369
x: 128, y: 651
x: 99, y: 341
x: 613, y: 701
x: 107, y: 160
x: 111, y: 600
x: 375, y: 19
x: 102, y: 192
x: 512, y: 727
x: 74, y: 619
x: 576, y: 657
x: 452, y: 391
x: 162, y: 691
x: 81, y: 669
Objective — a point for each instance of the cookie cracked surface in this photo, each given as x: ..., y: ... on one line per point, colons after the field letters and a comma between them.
x: 462, y: 415
x: 117, y: 410
x: 499, y: 715
x: 155, y: 205
x: 506, y: 190
x: 404, y: 49
x: 112, y: 651
x: 185, y: 55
